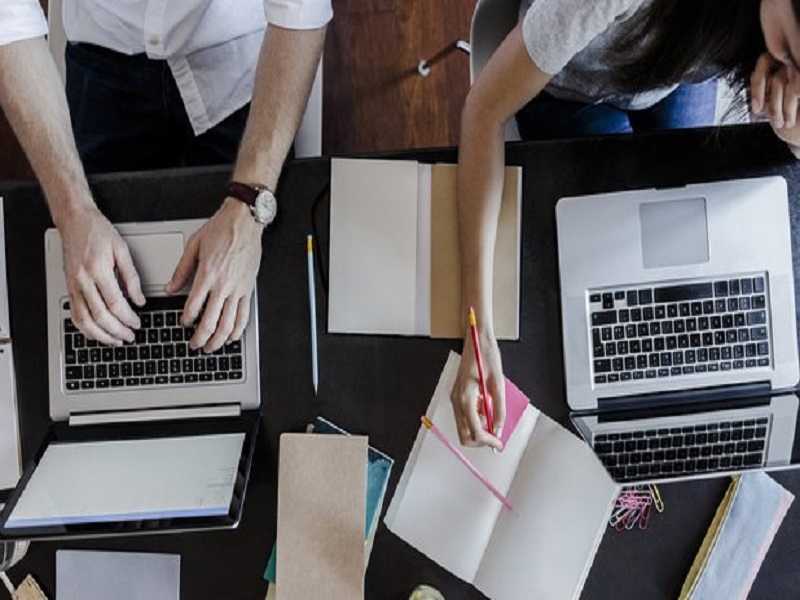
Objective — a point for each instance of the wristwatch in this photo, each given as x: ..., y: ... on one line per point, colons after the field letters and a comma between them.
x: 260, y: 199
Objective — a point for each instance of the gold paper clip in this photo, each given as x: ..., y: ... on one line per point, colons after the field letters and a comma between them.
x: 656, y: 497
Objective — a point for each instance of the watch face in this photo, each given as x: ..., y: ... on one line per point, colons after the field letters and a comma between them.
x: 266, y: 207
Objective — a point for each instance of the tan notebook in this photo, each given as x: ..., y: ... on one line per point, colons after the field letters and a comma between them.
x: 395, y: 259
x: 321, y: 517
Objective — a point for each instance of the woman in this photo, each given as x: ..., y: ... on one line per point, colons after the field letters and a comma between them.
x: 603, y: 65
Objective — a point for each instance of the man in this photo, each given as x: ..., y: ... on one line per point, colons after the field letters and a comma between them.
x: 226, y: 252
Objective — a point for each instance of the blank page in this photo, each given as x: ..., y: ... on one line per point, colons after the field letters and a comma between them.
x: 9, y: 428
x: 564, y: 497
x: 373, y: 250
x: 439, y: 507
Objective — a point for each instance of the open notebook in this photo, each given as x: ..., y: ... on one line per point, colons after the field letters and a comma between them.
x: 394, y: 251
x: 561, y: 494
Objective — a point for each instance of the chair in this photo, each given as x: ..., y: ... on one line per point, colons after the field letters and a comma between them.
x: 491, y: 23
x: 308, y: 139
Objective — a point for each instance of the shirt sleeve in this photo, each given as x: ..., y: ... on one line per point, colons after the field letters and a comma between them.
x: 298, y: 14
x: 21, y: 20
x: 556, y: 30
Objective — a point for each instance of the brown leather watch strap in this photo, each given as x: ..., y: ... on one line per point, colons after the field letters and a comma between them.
x: 243, y: 192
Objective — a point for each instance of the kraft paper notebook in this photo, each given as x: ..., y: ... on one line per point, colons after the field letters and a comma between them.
x: 379, y: 468
x: 321, y: 516
x: 561, y: 494
x: 394, y: 250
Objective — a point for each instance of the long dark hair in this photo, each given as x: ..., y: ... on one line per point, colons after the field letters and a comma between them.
x: 673, y: 38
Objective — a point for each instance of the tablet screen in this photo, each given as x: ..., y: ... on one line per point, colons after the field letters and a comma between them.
x: 130, y: 480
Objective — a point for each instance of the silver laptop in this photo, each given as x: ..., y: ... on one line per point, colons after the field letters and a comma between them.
x: 678, y: 314
x: 149, y: 437
x: 158, y: 376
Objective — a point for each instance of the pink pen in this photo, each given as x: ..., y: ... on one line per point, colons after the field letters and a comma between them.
x: 465, y: 461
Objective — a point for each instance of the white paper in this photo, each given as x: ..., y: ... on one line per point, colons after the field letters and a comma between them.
x: 440, y: 508
x: 91, y: 575
x: 422, y: 319
x: 10, y: 459
x: 564, y: 498
x: 373, y: 248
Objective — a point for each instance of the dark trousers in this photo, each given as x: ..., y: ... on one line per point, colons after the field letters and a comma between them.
x: 128, y: 115
x: 546, y: 117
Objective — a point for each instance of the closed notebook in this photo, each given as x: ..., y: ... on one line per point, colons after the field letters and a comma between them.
x: 379, y: 467
x: 321, y: 516
x: 395, y: 253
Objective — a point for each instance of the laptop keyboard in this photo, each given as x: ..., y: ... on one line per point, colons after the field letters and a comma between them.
x: 665, y: 331
x: 160, y: 355
x: 701, y: 448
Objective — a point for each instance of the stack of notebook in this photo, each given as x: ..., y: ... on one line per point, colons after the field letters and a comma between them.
x: 378, y: 469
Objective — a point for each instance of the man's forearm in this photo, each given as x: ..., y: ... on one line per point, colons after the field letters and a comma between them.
x: 34, y: 102
x: 286, y: 69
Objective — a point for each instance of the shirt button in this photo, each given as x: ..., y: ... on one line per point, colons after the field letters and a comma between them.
x: 154, y: 40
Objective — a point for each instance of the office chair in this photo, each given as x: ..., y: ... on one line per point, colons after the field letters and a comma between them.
x: 491, y: 23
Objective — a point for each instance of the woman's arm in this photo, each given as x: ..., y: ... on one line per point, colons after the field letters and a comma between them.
x: 508, y: 82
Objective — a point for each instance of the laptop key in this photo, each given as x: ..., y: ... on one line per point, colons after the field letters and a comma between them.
x: 161, y: 379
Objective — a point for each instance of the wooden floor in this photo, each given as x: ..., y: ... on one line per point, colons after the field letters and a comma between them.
x: 373, y: 98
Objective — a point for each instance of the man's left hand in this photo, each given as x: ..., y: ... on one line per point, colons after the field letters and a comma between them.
x: 225, y: 255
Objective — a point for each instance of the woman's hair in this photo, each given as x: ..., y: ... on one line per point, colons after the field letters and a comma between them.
x: 673, y: 38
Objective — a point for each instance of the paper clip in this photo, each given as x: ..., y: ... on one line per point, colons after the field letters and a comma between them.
x: 656, y: 497
x: 645, y: 518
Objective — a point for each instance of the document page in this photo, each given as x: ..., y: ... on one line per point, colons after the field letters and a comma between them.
x: 131, y: 480
x: 373, y: 248
x: 563, y: 496
x: 439, y: 507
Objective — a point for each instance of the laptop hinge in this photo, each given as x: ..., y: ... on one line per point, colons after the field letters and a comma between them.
x: 156, y: 414
x: 681, y: 397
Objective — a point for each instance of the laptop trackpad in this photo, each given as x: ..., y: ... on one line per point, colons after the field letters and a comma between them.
x: 155, y: 255
x: 674, y: 232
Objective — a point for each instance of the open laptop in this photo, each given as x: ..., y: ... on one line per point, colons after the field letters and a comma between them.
x: 680, y: 341
x: 150, y: 436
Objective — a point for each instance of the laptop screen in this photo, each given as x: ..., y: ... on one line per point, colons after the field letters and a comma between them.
x: 106, y: 483
x: 129, y: 480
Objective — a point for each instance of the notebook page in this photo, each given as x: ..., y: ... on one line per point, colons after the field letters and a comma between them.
x: 422, y: 319
x: 564, y: 498
x: 373, y: 247
x: 439, y: 507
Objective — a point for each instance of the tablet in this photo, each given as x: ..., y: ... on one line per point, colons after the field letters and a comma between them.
x: 134, y: 478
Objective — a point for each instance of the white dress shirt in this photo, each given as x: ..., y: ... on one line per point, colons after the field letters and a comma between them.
x: 21, y: 20
x: 211, y: 46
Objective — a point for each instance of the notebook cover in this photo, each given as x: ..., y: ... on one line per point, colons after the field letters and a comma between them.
x: 321, y: 516
x: 446, y: 308
x: 379, y: 467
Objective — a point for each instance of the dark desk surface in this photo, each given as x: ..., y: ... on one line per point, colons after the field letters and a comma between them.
x: 379, y: 385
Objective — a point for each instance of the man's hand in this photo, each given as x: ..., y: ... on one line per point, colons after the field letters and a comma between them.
x: 226, y: 254
x: 775, y: 94
x: 95, y: 256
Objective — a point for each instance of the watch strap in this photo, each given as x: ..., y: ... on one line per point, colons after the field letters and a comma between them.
x: 242, y: 191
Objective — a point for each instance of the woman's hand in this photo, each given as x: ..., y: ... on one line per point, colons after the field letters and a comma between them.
x: 775, y: 94
x: 466, y: 394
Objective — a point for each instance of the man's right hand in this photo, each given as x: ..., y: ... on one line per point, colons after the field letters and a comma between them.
x: 97, y: 263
